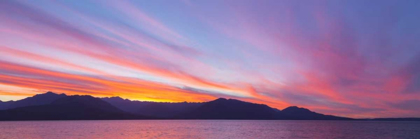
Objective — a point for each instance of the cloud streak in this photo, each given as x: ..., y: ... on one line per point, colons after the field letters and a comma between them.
x: 325, y: 56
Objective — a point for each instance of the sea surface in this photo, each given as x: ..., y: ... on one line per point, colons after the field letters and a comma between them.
x: 209, y: 129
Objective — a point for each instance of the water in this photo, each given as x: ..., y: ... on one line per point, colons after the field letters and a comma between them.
x: 209, y: 129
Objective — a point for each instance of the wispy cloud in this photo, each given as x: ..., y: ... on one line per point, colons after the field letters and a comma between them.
x: 346, y: 58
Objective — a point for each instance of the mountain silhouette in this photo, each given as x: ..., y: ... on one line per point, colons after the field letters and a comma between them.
x: 51, y: 106
x: 4, y: 105
x: 232, y: 109
x: 235, y: 109
x: 39, y: 99
x: 296, y: 113
x: 153, y: 109
x: 69, y: 108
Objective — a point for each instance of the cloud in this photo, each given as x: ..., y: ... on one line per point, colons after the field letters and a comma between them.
x: 325, y: 56
x: 411, y: 105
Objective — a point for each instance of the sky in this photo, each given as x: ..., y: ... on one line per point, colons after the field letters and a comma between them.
x: 352, y: 58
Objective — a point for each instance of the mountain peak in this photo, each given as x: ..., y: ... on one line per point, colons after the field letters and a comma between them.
x: 115, y: 98
x: 299, y: 113
x: 48, y: 104
x: 49, y: 93
x: 225, y: 99
x: 220, y: 99
x: 295, y: 109
x: 223, y: 108
x: 38, y: 99
x: 85, y: 101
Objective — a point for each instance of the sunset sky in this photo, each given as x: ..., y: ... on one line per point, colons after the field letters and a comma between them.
x: 353, y: 58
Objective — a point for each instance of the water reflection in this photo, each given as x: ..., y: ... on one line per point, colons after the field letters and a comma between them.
x: 212, y: 129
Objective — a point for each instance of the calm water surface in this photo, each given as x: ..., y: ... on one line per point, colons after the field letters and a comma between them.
x: 209, y: 129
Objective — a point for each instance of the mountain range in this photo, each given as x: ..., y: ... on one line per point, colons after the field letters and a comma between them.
x: 52, y: 106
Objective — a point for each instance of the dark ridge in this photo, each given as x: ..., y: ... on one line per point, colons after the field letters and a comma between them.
x: 296, y: 113
x: 295, y: 110
x: 39, y: 99
x: 153, y: 109
x: 85, y: 101
x: 221, y: 99
x: 69, y: 108
x: 52, y: 106
x: 231, y: 109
